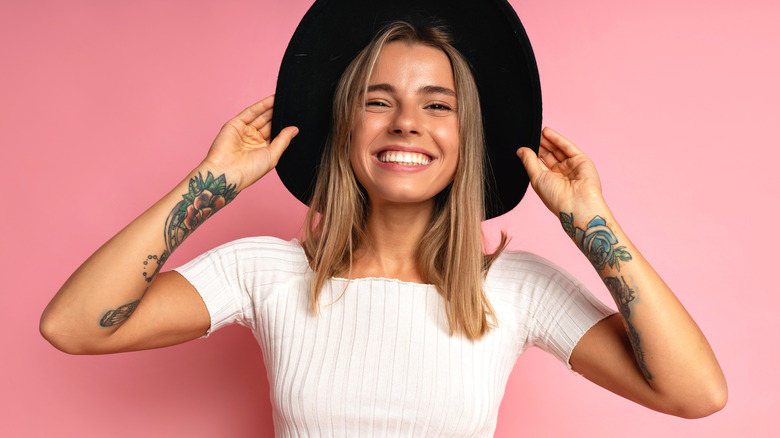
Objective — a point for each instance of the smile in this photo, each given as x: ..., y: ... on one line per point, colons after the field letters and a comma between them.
x: 404, y: 158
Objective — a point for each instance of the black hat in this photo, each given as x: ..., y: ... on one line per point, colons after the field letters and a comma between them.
x: 487, y: 32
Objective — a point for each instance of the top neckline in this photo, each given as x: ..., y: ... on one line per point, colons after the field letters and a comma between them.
x: 368, y: 279
x: 382, y: 279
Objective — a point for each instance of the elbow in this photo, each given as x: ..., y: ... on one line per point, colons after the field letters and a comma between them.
x: 713, y: 403
x: 64, y: 334
x: 704, y: 404
x: 55, y: 333
x: 49, y: 330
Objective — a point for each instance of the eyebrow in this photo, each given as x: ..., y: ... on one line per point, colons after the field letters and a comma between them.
x: 428, y: 89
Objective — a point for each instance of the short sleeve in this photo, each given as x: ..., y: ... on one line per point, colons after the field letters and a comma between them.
x: 551, y: 308
x: 234, y: 279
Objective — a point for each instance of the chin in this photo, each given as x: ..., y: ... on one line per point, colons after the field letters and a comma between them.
x: 406, y: 199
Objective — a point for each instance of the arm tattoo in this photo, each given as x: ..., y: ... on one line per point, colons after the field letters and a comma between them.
x: 624, y: 296
x: 158, y: 263
x: 118, y: 315
x: 203, y: 198
x: 599, y: 244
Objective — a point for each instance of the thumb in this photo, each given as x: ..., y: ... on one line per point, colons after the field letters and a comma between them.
x: 280, y: 143
x: 531, y: 162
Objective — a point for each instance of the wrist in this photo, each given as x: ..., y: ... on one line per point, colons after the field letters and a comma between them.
x: 219, y: 168
x: 586, y: 206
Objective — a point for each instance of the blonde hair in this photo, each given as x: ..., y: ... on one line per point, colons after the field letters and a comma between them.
x: 451, y: 255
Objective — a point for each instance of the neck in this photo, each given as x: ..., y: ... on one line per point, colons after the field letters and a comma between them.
x: 394, y: 234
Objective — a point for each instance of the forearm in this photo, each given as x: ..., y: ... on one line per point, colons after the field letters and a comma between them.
x: 107, y: 288
x: 670, y: 350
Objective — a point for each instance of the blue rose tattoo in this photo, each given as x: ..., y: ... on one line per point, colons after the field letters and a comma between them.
x: 596, y: 241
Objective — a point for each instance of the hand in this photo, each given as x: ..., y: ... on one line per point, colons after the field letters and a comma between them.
x: 243, y: 148
x: 561, y: 175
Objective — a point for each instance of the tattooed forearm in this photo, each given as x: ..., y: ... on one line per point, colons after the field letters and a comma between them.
x: 118, y: 315
x: 204, y: 197
x: 624, y: 297
x: 599, y: 244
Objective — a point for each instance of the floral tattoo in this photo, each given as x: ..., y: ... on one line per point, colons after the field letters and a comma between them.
x: 599, y: 244
x: 203, y: 198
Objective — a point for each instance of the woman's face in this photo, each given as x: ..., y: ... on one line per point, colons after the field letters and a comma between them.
x: 404, y: 146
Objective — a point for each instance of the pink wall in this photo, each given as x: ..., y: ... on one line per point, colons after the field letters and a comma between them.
x: 106, y: 105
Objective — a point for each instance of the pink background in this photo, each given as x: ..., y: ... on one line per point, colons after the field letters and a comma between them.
x: 106, y: 105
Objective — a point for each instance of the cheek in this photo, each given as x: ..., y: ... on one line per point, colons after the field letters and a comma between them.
x: 357, y: 155
x: 360, y: 136
x: 447, y: 133
x: 356, y: 142
x: 449, y: 142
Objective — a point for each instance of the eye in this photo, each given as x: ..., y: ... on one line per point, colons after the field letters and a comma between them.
x: 376, y: 105
x: 439, y: 107
x: 376, y: 102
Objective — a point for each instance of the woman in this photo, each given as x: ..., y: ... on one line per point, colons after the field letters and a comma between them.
x: 414, y: 330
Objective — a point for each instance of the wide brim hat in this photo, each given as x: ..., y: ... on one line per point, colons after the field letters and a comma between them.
x: 487, y: 32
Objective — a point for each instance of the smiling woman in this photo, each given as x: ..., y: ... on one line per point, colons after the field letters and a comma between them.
x: 390, y: 316
x: 408, y: 90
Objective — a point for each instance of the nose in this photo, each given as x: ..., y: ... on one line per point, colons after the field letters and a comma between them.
x: 406, y: 121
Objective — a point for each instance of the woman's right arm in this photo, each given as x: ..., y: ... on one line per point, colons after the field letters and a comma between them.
x: 118, y: 300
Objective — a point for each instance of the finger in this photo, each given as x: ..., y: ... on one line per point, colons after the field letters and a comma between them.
x: 258, y: 133
x: 559, y: 154
x: 552, y: 155
x: 533, y: 165
x: 262, y: 120
x: 265, y: 131
x: 547, y: 155
x: 256, y: 110
x: 559, y: 142
x: 280, y: 143
x: 262, y: 124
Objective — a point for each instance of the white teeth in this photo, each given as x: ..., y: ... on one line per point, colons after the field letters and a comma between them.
x: 404, y: 158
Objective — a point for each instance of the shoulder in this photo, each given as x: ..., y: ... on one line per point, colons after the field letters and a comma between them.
x: 521, y: 278
x: 261, y: 245
x: 271, y: 246
x: 257, y: 254
x: 514, y: 266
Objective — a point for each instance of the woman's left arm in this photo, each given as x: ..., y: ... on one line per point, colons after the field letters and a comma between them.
x: 652, y: 352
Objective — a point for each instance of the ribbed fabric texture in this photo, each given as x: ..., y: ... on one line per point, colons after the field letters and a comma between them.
x: 379, y: 360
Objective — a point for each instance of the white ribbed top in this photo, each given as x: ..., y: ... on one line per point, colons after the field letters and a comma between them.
x: 379, y: 360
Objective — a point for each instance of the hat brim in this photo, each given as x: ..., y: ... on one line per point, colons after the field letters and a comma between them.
x: 487, y: 32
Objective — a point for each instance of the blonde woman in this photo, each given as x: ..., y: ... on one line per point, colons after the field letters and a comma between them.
x: 389, y: 316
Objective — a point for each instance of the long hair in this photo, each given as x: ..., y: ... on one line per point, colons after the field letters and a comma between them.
x: 451, y: 255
